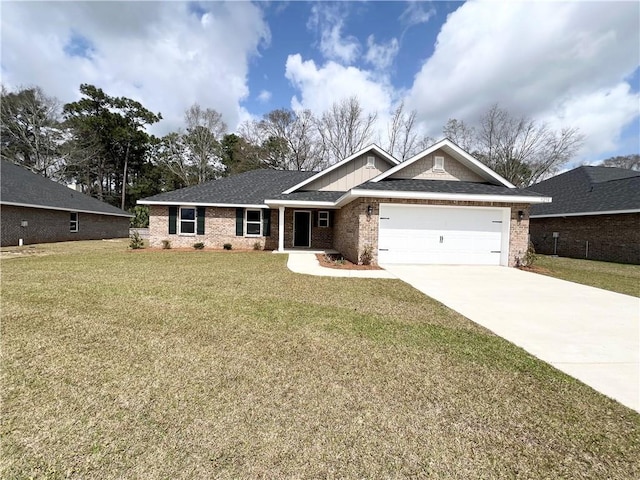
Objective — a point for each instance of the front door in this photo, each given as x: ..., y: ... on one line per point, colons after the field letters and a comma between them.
x: 301, y: 229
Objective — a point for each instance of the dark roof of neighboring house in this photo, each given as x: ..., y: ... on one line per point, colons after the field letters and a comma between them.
x: 248, y: 188
x: 19, y: 186
x: 447, y: 186
x: 590, y: 190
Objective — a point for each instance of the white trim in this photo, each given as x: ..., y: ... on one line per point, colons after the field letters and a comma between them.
x: 76, y: 221
x: 246, y: 221
x: 320, y: 219
x: 318, y: 175
x: 293, y: 240
x: 585, y: 214
x: 194, y: 221
x: 467, y: 197
x: 202, y: 204
x: 300, y: 203
x: 460, y: 155
x: 281, y: 229
x: 44, y: 207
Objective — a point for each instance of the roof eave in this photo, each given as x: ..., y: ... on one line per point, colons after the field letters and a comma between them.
x: 468, y: 197
x: 584, y: 214
x: 64, y: 209
x: 200, y: 204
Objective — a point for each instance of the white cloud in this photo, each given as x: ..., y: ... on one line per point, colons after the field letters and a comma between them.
x: 415, y: 14
x: 162, y: 54
x: 321, y: 86
x: 562, y: 62
x: 381, y: 56
x: 264, y: 96
x: 327, y: 19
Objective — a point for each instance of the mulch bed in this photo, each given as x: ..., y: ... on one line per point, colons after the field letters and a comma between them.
x: 334, y: 260
x: 536, y: 269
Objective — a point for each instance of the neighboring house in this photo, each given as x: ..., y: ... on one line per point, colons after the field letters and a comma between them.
x: 35, y: 209
x: 595, y: 214
x: 440, y: 206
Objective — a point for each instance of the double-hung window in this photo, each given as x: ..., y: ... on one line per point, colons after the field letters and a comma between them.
x: 187, y: 221
x: 323, y: 219
x: 73, y: 222
x: 253, y: 223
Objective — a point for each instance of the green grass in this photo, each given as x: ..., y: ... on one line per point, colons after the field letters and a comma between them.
x: 199, y: 364
x: 616, y: 277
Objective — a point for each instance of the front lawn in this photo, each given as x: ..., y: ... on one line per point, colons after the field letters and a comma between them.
x: 166, y: 364
x: 617, y: 277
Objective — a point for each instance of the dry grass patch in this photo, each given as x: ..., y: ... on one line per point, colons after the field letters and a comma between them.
x: 230, y: 366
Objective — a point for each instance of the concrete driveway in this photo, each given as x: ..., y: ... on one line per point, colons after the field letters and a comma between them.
x: 588, y: 333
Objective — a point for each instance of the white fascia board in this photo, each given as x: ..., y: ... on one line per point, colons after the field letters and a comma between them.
x: 299, y: 203
x: 585, y: 214
x: 466, y: 157
x: 318, y: 175
x: 202, y: 204
x: 62, y: 209
x: 466, y: 197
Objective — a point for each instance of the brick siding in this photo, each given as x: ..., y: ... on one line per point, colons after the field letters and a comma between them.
x: 611, y: 238
x: 45, y: 226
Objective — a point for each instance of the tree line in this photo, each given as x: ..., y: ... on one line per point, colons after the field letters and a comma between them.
x: 101, y: 143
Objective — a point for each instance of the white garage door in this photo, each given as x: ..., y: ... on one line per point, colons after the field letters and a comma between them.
x: 421, y: 234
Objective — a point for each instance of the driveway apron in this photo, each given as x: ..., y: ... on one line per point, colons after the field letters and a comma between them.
x: 591, y: 334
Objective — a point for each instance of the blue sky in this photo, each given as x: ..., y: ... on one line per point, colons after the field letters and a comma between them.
x: 570, y: 64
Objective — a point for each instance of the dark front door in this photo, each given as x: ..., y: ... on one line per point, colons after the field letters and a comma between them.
x: 301, y: 229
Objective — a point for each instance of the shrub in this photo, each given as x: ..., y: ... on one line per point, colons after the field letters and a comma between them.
x: 366, y: 257
x: 198, y: 245
x: 227, y: 246
x: 166, y: 244
x: 136, y: 241
x: 530, y: 257
x: 257, y: 246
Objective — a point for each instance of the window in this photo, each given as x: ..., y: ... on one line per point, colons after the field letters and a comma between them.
x: 371, y: 162
x: 323, y: 219
x: 254, y: 223
x: 187, y: 221
x: 73, y: 222
x: 438, y: 164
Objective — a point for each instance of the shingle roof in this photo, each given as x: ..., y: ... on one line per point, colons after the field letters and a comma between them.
x: 590, y: 189
x: 309, y: 196
x: 447, y: 186
x: 19, y: 186
x: 248, y: 188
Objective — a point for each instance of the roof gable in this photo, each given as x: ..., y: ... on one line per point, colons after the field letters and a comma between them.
x: 21, y: 187
x: 380, y: 153
x: 459, y: 155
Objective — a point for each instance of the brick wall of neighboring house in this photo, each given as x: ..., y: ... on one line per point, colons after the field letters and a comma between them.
x: 44, y: 226
x: 611, y: 238
x: 219, y: 228
x: 355, y: 230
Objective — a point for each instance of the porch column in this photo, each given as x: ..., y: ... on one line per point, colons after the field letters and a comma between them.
x: 281, y: 229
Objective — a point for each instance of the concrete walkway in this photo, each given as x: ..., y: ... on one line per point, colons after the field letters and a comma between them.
x: 307, y: 263
x: 588, y: 333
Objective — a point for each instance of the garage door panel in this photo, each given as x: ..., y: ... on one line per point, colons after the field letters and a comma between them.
x: 437, y: 235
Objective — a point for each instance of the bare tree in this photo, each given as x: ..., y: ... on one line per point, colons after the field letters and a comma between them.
x: 295, y: 135
x: 518, y: 148
x: 461, y: 134
x: 205, y: 129
x: 403, y: 140
x: 30, y: 129
x: 344, y: 129
x: 630, y: 162
x: 523, y: 150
